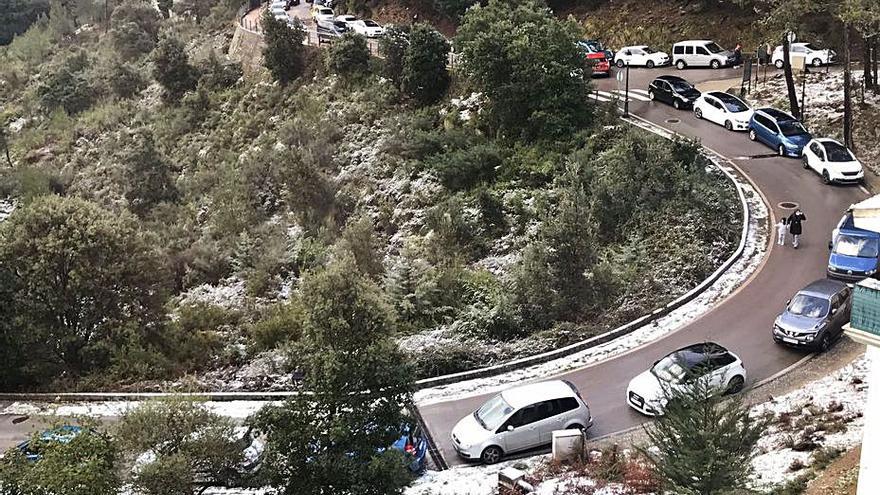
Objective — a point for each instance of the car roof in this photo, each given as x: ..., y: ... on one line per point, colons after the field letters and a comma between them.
x: 695, y: 354
x: 776, y: 114
x: 528, y: 394
x: 693, y: 41
x: 823, y: 288
x: 671, y: 78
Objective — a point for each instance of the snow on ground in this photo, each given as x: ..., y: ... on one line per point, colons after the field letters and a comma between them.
x: 238, y: 410
x: 229, y: 294
x: 753, y: 254
x: 835, y: 402
x: 6, y: 208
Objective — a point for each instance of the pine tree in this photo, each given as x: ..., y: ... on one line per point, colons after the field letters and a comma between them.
x: 704, y: 442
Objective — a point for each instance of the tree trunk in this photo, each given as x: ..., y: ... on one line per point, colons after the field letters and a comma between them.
x: 789, y: 78
x: 866, y: 64
x: 874, y: 63
x: 847, y: 91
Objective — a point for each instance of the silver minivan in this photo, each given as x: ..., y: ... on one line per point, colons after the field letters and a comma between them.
x: 520, y: 418
x: 701, y: 53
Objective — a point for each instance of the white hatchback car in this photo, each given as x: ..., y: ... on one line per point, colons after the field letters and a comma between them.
x: 817, y: 57
x: 723, y: 109
x: 347, y: 19
x: 648, y: 392
x: 368, y: 28
x: 833, y: 161
x: 520, y: 418
x: 640, y: 55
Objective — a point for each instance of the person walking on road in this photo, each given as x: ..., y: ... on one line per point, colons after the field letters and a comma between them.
x: 781, y: 227
x: 763, y: 55
x: 794, y: 226
x: 737, y: 55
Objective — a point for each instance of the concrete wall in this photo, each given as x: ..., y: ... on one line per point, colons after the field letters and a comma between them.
x: 247, y: 48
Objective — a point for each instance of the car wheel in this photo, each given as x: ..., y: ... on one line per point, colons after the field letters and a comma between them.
x: 698, y: 113
x: 576, y: 427
x: 650, y: 64
x: 825, y: 343
x: 778, y: 64
x: 781, y: 150
x: 676, y: 104
x: 651, y: 95
x: 735, y: 385
x: 825, y: 177
x: 680, y: 65
x: 715, y: 64
x: 491, y: 455
x: 728, y: 125
x: 817, y: 62
x: 806, y: 163
x: 620, y: 64
x: 752, y: 135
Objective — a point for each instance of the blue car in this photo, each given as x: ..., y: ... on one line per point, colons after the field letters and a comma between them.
x: 414, y: 446
x: 779, y: 130
x: 854, y: 252
x: 62, y: 434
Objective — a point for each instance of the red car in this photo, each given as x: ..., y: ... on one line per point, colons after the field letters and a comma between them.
x: 599, y: 63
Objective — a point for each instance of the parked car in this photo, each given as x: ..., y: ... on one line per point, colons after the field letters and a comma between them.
x: 328, y: 31
x: 414, y: 445
x: 648, y: 392
x: 814, y: 317
x: 701, y: 53
x: 347, y: 19
x: 368, y: 28
x: 63, y: 434
x: 833, y: 161
x: 854, y: 251
x: 640, y: 55
x: 599, y: 64
x: 596, y: 46
x: 723, y: 109
x: 520, y: 418
x: 322, y: 15
x: 817, y: 57
x: 674, y: 91
x: 779, y: 130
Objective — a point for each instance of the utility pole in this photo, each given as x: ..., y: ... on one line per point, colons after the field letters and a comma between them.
x: 626, y: 93
x: 847, y: 91
x: 804, y: 95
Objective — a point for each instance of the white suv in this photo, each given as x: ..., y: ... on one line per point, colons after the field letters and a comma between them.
x: 811, y: 55
x: 700, y: 53
x: 520, y: 418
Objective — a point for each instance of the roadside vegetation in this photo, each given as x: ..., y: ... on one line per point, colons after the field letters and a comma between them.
x: 170, y: 214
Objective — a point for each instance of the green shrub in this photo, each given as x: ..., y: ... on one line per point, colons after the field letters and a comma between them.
x: 283, y: 54
x: 67, y: 85
x: 349, y: 56
x: 134, y: 28
x: 171, y: 68
x: 424, y: 77
x: 279, y: 324
x: 392, y: 48
x: 466, y: 167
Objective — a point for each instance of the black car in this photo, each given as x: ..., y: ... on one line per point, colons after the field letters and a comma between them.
x: 674, y: 91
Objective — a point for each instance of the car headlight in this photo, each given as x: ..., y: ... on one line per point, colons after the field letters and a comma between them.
x: 833, y: 268
x: 809, y: 337
x: 871, y: 272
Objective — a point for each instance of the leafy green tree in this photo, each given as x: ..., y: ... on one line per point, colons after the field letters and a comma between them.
x: 392, y: 48
x: 197, y: 9
x: 219, y: 74
x: 526, y: 61
x: 86, y: 465
x: 172, y: 69
x: 332, y: 439
x: 147, y: 173
x: 190, y: 446
x: 76, y: 278
x: 67, y: 85
x: 425, y: 78
x: 124, y: 80
x: 283, y: 54
x: 134, y: 28
x: 349, y: 56
x: 16, y: 16
x: 704, y: 443
x: 61, y: 20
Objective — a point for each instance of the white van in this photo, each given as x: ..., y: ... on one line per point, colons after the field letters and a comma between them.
x: 700, y: 53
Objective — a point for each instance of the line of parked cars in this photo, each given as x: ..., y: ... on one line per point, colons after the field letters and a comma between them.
x: 328, y: 23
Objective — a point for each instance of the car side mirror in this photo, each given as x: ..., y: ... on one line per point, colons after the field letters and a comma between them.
x: 510, y: 428
x: 830, y: 245
x: 787, y: 303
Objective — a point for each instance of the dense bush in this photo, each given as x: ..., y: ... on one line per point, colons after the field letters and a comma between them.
x: 424, y: 76
x: 67, y: 85
x: 134, y: 28
x: 147, y: 173
x: 16, y: 16
x: 172, y: 69
x: 392, y: 48
x: 283, y: 54
x: 349, y: 56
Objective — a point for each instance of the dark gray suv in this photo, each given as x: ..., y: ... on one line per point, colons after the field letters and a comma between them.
x: 815, y: 316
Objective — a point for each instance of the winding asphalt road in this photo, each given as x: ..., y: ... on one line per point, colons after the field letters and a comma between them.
x: 742, y: 322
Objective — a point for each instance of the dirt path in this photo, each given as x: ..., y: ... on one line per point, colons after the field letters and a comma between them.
x: 840, y: 477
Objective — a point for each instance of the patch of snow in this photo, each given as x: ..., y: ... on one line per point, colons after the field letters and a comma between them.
x: 18, y: 124
x: 229, y: 295
x: 239, y: 410
x: 755, y: 249
x: 7, y: 206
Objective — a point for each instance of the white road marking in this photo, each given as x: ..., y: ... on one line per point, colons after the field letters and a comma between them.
x: 639, y: 91
x: 599, y: 98
x: 632, y: 95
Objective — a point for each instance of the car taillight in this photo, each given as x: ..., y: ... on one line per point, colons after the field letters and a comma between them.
x: 409, y: 449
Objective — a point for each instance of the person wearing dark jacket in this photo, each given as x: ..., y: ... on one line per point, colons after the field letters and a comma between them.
x: 794, y: 226
x: 763, y: 55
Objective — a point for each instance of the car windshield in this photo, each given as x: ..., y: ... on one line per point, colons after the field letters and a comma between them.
x: 680, y: 86
x: 809, y: 306
x: 791, y: 128
x: 325, y: 11
x: 370, y: 24
x: 861, y: 247
x: 493, y: 413
x: 647, y: 49
x: 669, y: 369
x: 733, y: 104
x: 810, y: 46
x: 714, y: 48
x: 838, y: 153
